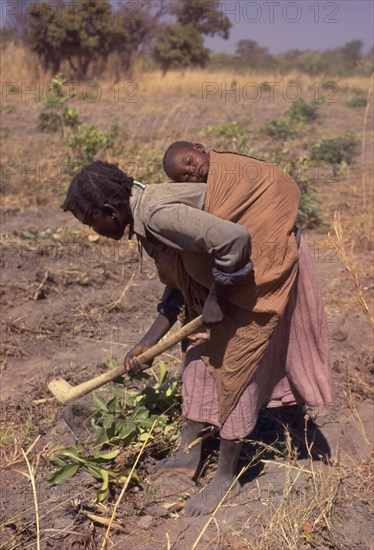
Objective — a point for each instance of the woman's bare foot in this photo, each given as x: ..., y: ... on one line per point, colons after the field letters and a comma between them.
x: 207, y: 500
x: 185, y: 461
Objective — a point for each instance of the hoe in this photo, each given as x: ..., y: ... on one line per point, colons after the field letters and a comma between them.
x: 65, y: 392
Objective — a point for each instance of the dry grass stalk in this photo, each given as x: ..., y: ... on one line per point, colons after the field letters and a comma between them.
x: 35, y: 496
x: 211, y: 517
x: 349, y: 265
x: 301, y: 512
x: 116, y: 303
x: 370, y: 94
x: 105, y: 541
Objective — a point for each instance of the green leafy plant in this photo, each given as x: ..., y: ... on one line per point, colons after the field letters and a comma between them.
x: 7, y: 108
x: 57, y: 115
x: 283, y: 129
x: 309, y: 214
x: 292, y: 124
x: 338, y: 151
x: 7, y: 437
x: 232, y: 136
x: 357, y: 101
x: 73, y: 459
x: 86, y: 142
x: 124, y: 421
x: 303, y: 111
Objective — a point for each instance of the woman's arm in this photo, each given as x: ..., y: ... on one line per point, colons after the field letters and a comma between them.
x: 169, y: 309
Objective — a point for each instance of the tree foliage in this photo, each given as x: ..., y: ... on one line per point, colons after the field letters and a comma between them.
x: 180, y: 46
x: 207, y: 17
x: 84, y: 31
x: 253, y: 55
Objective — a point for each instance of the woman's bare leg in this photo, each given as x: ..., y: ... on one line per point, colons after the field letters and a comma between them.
x: 185, y: 461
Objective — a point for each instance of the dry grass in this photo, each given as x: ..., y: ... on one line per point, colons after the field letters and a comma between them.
x: 349, y: 264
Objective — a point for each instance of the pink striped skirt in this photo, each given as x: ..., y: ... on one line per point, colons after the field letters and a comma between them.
x: 295, y: 368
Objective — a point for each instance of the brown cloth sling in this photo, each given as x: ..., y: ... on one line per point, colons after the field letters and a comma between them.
x: 263, y: 198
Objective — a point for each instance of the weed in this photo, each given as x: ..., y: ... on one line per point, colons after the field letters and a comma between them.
x: 7, y: 108
x: 302, y: 169
x: 357, y: 101
x: 292, y: 124
x: 144, y: 164
x: 309, y: 213
x: 57, y: 115
x: 338, y: 151
x: 123, y: 421
x: 282, y: 129
x: 86, y: 142
x: 232, y: 136
x: 303, y: 111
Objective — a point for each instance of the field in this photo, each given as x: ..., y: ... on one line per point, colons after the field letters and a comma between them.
x: 72, y: 301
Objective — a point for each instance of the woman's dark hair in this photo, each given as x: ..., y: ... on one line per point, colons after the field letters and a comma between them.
x: 175, y: 146
x: 95, y: 185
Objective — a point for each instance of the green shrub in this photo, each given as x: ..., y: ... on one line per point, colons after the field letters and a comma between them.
x: 86, y: 142
x: 337, y: 151
x: 120, y: 426
x: 303, y: 111
x: 292, y: 124
x: 282, y: 129
x: 57, y: 115
x: 232, y: 136
x: 309, y: 214
x: 7, y: 108
x: 357, y: 101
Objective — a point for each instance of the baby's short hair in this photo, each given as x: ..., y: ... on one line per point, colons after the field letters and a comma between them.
x: 172, y: 149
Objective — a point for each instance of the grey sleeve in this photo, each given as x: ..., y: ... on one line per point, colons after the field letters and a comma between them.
x: 189, y: 229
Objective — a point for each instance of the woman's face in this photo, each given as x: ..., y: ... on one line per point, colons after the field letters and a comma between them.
x: 107, y: 221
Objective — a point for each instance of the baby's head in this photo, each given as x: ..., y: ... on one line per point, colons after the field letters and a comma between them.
x: 186, y: 161
x: 98, y: 196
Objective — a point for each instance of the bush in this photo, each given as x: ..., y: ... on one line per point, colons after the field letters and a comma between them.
x: 232, y: 136
x: 337, y: 151
x: 7, y: 108
x: 303, y: 111
x: 293, y: 123
x: 120, y: 425
x: 57, y: 115
x: 357, y: 101
x: 309, y: 214
x: 86, y: 142
x: 282, y: 129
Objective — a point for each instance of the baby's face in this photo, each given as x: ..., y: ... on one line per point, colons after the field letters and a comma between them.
x: 189, y: 164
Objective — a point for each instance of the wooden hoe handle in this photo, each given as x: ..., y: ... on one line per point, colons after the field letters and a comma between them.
x: 64, y: 392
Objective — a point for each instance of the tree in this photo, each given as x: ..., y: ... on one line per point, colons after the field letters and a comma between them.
x: 180, y: 47
x: 181, y: 44
x: 205, y: 16
x: 252, y: 55
x: 352, y: 53
x: 84, y: 31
